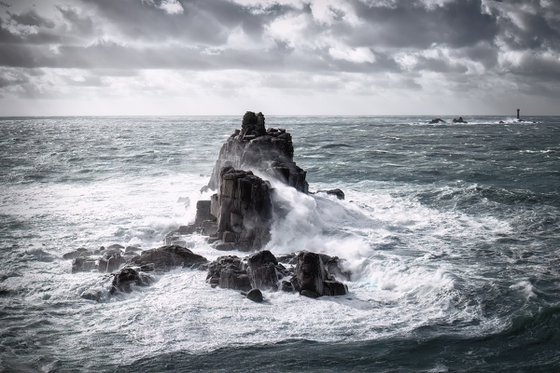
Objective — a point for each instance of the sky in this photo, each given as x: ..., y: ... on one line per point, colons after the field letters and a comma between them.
x: 284, y: 57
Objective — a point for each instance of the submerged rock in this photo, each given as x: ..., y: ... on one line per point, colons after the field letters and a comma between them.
x: 437, y: 120
x: 459, y: 120
x: 128, y: 276
x: 338, y: 193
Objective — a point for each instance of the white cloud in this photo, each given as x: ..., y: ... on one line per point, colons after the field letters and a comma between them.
x: 172, y: 7
x: 356, y: 55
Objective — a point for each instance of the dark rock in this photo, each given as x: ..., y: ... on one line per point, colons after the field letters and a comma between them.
x: 228, y: 272
x: 128, y: 276
x: 338, y: 193
x: 228, y: 236
x: 76, y: 253
x: 311, y: 277
x: 245, y: 207
x: 111, y: 261
x: 167, y: 257
x: 232, y: 279
x: 254, y: 147
x: 115, y: 246
x: 92, y: 294
x: 309, y: 293
x: 334, y: 288
x: 225, y: 246
x: 203, y: 212
x: 459, y: 120
x: 132, y: 250
x: 84, y: 264
x: 310, y: 273
x: 261, y: 268
x: 255, y: 295
x: 502, y: 122
x: 287, y: 286
x: 437, y: 120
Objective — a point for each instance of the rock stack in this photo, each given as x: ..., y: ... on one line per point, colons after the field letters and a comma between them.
x: 237, y: 217
x: 241, y: 211
x: 255, y: 148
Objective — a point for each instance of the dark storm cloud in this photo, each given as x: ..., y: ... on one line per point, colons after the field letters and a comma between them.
x: 410, y: 24
x: 31, y: 18
x: 513, y: 39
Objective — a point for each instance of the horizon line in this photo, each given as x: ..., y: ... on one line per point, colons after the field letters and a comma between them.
x: 270, y: 115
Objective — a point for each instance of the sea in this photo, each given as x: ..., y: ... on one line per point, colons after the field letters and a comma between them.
x: 451, y: 232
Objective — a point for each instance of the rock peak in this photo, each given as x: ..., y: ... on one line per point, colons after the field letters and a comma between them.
x: 268, y: 151
x: 252, y: 125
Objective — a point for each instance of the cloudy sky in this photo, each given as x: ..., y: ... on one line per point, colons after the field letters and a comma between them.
x: 168, y: 57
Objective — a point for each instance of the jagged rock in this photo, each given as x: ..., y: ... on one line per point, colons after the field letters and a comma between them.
x: 255, y: 295
x: 338, y: 193
x: 261, y: 268
x: 92, y: 294
x: 111, y: 261
x: 312, y: 278
x: 459, y: 120
x: 437, y: 120
x: 166, y: 257
x: 128, y: 276
x: 76, y: 253
x: 245, y: 209
x: 228, y: 272
x: 256, y: 148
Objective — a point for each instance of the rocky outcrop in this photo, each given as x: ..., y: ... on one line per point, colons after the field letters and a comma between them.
x: 244, y: 210
x: 338, y: 193
x: 128, y: 276
x: 310, y: 276
x: 312, y: 279
x: 167, y: 257
x: 256, y: 148
x: 459, y: 120
x: 437, y: 120
x: 228, y: 272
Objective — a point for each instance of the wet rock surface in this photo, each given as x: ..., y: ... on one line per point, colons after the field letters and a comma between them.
x: 239, y: 217
x: 244, y: 208
x: 254, y: 147
x: 309, y: 276
x: 167, y: 257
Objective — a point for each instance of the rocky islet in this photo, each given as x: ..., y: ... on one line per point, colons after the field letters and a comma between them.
x: 239, y: 217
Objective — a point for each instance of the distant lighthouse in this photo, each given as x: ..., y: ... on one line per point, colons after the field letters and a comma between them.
x: 517, y: 114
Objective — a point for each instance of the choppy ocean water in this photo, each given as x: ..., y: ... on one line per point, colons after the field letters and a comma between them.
x: 452, y: 232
